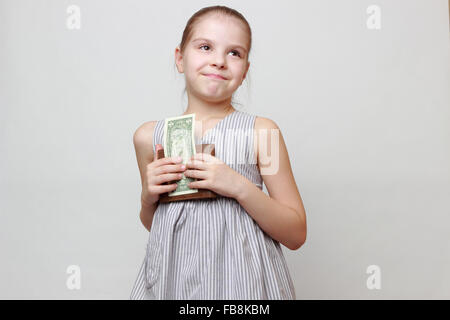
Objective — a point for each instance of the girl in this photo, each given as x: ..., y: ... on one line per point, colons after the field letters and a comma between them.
x: 227, y: 247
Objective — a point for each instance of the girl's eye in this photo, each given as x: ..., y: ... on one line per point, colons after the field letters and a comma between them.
x: 237, y: 52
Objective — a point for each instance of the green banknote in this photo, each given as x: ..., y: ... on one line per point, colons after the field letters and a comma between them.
x: 179, y: 141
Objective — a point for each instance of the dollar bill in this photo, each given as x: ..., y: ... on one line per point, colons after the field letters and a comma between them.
x: 179, y: 141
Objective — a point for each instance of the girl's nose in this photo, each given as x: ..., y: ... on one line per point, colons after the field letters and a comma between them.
x: 219, y: 65
x: 218, y: 61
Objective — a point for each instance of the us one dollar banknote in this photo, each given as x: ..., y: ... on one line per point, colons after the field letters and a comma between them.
x: 179, y: 141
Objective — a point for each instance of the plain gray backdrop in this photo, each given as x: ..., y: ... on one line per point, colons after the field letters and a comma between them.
x: 364, y: 113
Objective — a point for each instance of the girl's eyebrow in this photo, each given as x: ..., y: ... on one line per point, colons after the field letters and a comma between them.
x: 207, y: 40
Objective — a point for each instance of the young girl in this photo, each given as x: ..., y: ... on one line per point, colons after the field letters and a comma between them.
x: 227, y: 247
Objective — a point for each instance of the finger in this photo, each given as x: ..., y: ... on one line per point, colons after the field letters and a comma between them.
x: 196, y: 164
x: 201, y: 184
x: 168, y: 160
x: 164, y: 188
x: 197, y: 174
x: 198, y: 156
x: 168, y: 177
x: 169, y: 168
x: 205, y: 157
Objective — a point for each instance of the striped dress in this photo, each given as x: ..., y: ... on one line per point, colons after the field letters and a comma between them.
x: 212, y: 248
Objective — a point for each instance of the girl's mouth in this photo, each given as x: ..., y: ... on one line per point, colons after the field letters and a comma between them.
x: 214, y: 76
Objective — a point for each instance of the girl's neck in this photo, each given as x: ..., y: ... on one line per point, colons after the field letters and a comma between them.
x: 206, y: 111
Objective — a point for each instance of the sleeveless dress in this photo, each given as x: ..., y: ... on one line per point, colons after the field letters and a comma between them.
x: 212, y: 248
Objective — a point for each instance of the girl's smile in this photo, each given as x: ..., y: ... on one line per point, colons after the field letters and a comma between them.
x: 215, y: 76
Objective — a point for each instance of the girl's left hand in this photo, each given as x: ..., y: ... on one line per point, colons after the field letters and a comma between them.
x: 214, y: 175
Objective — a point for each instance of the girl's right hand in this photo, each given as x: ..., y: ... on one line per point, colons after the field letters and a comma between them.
x: 156, y: 173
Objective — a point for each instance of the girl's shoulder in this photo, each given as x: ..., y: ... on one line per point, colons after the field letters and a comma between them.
x: 261, y: 122
x: 265, y: 123
x: 143, y: 140
x: 144, y: 132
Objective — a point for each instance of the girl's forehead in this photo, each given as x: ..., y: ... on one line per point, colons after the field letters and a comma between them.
x: 217, y: 28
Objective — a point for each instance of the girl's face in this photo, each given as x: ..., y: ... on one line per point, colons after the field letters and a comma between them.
x: 218, y: 45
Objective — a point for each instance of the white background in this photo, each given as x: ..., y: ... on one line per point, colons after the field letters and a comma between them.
x: 365, y: 115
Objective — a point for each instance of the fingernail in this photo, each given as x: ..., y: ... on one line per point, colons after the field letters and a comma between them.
x: 183, y: 167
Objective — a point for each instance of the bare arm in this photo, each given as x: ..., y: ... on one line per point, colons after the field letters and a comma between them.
x: 282, y: 214
x: 143, y: 144
x: 146, y: 215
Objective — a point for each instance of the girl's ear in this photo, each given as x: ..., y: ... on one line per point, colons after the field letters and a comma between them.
x: 179, y: 60
x: 245, y: 73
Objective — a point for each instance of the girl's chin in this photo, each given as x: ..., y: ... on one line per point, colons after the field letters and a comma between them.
x: 213, y: 97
